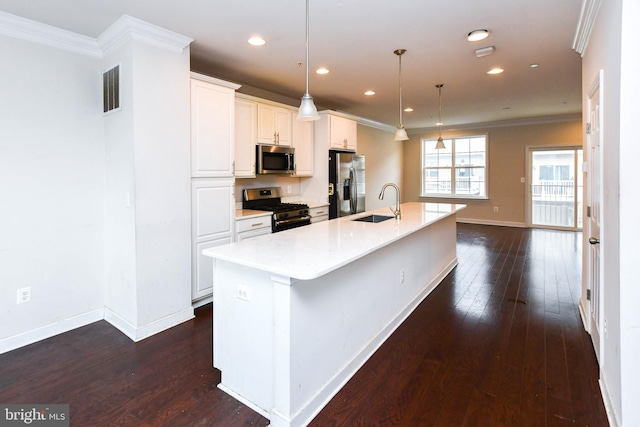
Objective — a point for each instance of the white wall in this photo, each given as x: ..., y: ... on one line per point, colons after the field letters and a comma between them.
x: 613, y: 49
x: 51, y: 188
x: 96, y: 215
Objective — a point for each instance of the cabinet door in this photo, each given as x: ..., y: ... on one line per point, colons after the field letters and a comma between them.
x: 245, y: 138
x: 283, y: 120
x: 212, y: 217
x: 266, y: 124
x: 342, y: 133
x: 202, y: 270
x: 303, y: 143
x: 351, y: 134
x: 212, y: 130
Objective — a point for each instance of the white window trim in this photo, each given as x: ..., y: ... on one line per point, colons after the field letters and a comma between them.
x: 454, y: 196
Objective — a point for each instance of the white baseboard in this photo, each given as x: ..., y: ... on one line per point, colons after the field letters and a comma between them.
x: 48, y: 331
x: 141, y: 332
x: 608, y: 405
x: 490, y: 222
x: 66, y: 325
x: 202, y: 301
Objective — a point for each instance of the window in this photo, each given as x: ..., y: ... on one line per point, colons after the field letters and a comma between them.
x: 458, y: 170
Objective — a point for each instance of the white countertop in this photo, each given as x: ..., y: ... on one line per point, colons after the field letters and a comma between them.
x: 317, y: 249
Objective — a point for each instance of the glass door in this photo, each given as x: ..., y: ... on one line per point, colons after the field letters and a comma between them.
x: 556, y: 188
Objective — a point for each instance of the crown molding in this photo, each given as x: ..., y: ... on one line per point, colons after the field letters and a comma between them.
x: 584, y: 28
x: 129, y: 27
x: 502, y: 123
x: 36, y: 32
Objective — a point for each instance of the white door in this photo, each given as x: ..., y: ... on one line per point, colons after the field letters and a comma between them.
x: 594, y: 212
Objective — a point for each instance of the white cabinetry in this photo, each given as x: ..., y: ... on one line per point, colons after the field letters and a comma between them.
x: 253, y: 226
x: 212, y: 207
x: 212, y: 130
x: 274, y: 125
x: 319, y: 213
x: 303, y: 143
x: 245, y: 138
x: 342, y: 133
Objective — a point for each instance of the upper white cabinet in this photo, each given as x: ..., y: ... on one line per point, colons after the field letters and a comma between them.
x: 336, y: 132
x: 246, y: 138
x: 212, y: 127
x: 303, y: 144
x: 274, y: 125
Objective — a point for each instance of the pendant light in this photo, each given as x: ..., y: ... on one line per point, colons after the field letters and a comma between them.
x: 307, y: 111
x: 401, y: 133
x: 440, y: 143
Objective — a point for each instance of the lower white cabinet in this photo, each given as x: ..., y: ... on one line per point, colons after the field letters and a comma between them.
x: 318, y: 214
x: 212, y: 216
x: 254, y: 226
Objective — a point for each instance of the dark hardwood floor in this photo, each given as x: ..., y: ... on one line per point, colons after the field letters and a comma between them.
x: 499, y: 342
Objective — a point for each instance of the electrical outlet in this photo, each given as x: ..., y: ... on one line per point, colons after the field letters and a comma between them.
x: 244, y: 292
x: 24, y: 295
x: 401, y: 276
x: 288, y: 189
x: 495, y: 209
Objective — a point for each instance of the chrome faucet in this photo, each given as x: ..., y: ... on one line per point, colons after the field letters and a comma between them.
x: 396, y: 211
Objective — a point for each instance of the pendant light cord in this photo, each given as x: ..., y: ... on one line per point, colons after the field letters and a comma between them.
x: 307, y: 49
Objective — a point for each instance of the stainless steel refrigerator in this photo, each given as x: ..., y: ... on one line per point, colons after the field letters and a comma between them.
x: 346, y: 183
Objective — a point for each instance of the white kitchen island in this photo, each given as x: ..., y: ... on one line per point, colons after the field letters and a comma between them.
x: 296, y: 313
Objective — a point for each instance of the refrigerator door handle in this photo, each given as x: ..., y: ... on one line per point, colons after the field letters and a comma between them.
x: 353, y: 196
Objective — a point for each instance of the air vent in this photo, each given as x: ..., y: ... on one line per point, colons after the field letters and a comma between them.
x: 111, y: 89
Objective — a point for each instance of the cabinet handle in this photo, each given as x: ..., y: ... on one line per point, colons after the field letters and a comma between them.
x: 275, y: 140
x: 257, y: 224
x: 345, y: 142
x: 319, y: 212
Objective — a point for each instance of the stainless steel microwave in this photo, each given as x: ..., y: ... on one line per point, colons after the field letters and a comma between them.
x: 272, y: 159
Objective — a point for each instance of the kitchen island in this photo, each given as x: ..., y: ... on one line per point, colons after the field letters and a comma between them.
x: 297, y: 313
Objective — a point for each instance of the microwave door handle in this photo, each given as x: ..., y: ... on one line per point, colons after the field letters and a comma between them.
x: 289, y: 162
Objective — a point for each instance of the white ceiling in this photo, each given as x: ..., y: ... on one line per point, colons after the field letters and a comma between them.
x: 356, y: 40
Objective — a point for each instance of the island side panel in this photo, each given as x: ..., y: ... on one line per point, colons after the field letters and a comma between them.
x: 243, y: 334
x: 340, y: 319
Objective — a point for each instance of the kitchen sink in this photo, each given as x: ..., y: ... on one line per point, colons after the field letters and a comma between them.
x: 373, y: 218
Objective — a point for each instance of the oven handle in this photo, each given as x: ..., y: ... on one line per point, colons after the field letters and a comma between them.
x: 294, y: 220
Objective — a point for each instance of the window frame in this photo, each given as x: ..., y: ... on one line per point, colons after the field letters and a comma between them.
x: 452, y: 168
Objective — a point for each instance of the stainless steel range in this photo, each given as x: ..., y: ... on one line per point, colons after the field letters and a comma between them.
x: 285, y: 215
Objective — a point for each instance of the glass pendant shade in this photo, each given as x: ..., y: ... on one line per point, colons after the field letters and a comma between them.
x: 440, y: 144
x: 401, y: 134
x: 307, y: 111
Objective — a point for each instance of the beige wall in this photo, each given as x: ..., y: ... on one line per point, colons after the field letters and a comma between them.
x: 383, y: 164
x: 507, y: 164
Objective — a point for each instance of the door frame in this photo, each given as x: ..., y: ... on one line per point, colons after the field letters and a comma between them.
x: 529, y: 149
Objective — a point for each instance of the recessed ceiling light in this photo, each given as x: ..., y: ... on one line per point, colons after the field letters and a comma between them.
x: 533, y: 65
x: 322, y: 70
x: 256, y: 41
x: 495, y: 71
x: 369, y: 93
x: 408, y: 109
x: 477, y: 35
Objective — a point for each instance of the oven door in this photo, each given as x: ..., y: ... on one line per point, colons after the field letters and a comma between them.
x: 291, y: 222
x: 274, y: 159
